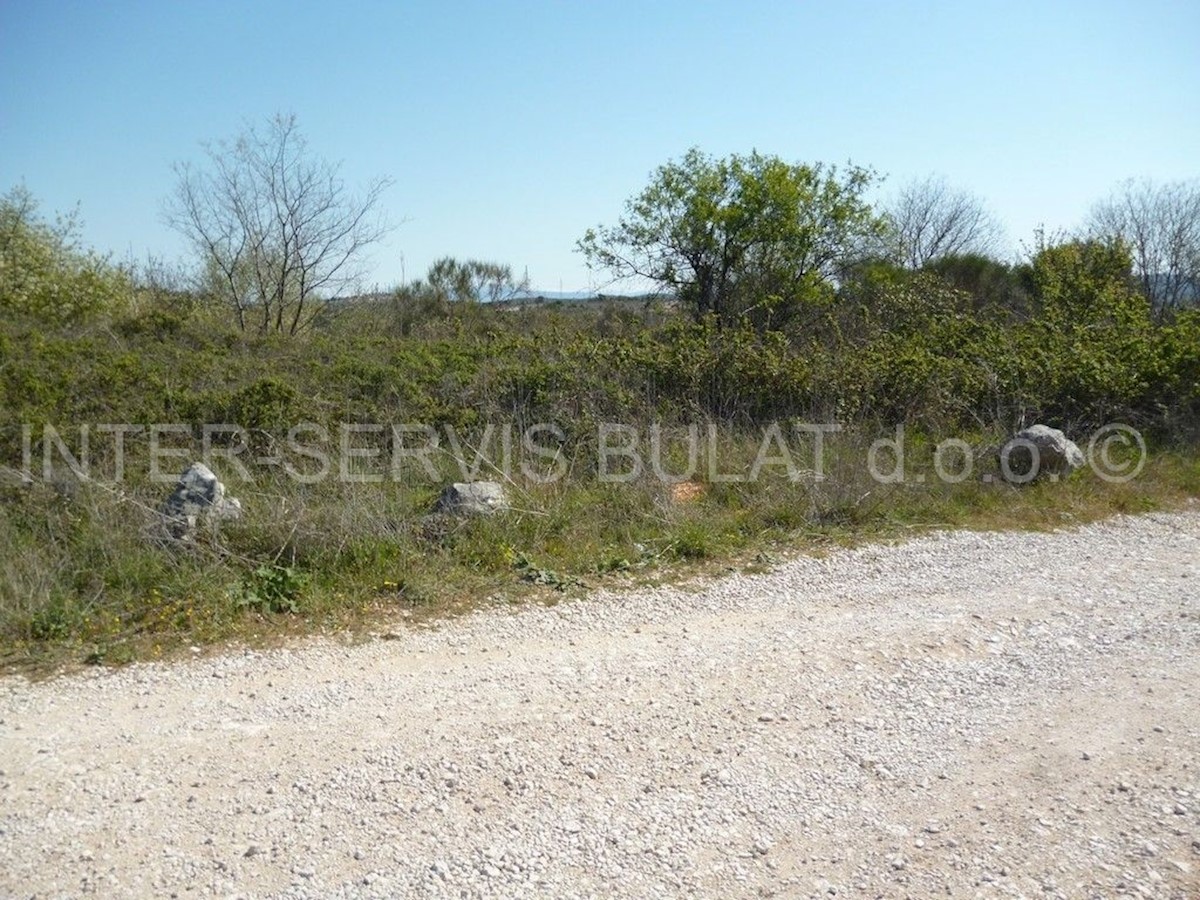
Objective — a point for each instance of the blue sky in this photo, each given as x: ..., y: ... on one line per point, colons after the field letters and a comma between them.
x: 510, y: 128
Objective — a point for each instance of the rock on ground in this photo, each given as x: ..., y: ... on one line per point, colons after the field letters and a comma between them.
x: 198, y: 497
x: 1039, y: 451
x: 472, y: 498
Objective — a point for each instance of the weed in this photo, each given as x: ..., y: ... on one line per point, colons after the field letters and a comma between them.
x: 275, y: 589
x: 535, y: 574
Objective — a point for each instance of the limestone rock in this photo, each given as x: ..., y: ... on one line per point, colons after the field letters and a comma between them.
x: 198, y: 497
x: 1038, y: 451
x: 472, y: 498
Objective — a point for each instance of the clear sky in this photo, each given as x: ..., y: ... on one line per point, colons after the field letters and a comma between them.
x: 510, y: 128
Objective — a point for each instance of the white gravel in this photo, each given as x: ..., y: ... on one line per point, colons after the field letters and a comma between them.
x: 967, y: 714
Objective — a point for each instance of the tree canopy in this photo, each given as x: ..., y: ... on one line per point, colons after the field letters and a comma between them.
x: 741, y: 235
x: 43, y: 271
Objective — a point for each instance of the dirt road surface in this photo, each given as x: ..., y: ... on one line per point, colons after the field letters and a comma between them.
x: 961, y: 715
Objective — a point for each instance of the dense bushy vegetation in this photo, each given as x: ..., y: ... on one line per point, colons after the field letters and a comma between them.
x: 964, y: 347
x: 1066, y: 338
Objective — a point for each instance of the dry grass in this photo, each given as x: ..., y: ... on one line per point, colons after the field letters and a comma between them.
x: 82, y: 582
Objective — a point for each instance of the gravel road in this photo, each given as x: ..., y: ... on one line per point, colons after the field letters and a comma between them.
x: 962, y: 715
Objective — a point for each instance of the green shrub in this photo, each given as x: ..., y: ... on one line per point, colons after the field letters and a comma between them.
x: 272, y: 588
x: 44, y: 276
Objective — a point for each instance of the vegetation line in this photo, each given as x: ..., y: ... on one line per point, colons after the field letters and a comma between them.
x: 812, y: 370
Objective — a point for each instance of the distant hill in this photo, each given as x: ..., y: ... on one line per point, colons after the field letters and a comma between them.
x: 534, y: 295
x: 566, y: 296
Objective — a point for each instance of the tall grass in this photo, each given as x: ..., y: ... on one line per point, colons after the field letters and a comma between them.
x: 84, y: 578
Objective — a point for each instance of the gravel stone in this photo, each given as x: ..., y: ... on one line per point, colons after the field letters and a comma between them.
x: 967, y: 714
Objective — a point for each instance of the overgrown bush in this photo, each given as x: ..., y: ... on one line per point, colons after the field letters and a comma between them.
x: 1066, y: 340
x: 45, y: 276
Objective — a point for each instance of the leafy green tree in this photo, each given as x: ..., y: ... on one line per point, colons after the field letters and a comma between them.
x: 739, y: 235
x: 45, y: 274
x: 1081, y: 284
x: 1091, y: 350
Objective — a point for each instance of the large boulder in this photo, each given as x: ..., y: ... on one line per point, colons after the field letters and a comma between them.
x: 472, y: 498
x: 198, y: 497
x: 1037, y: 452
